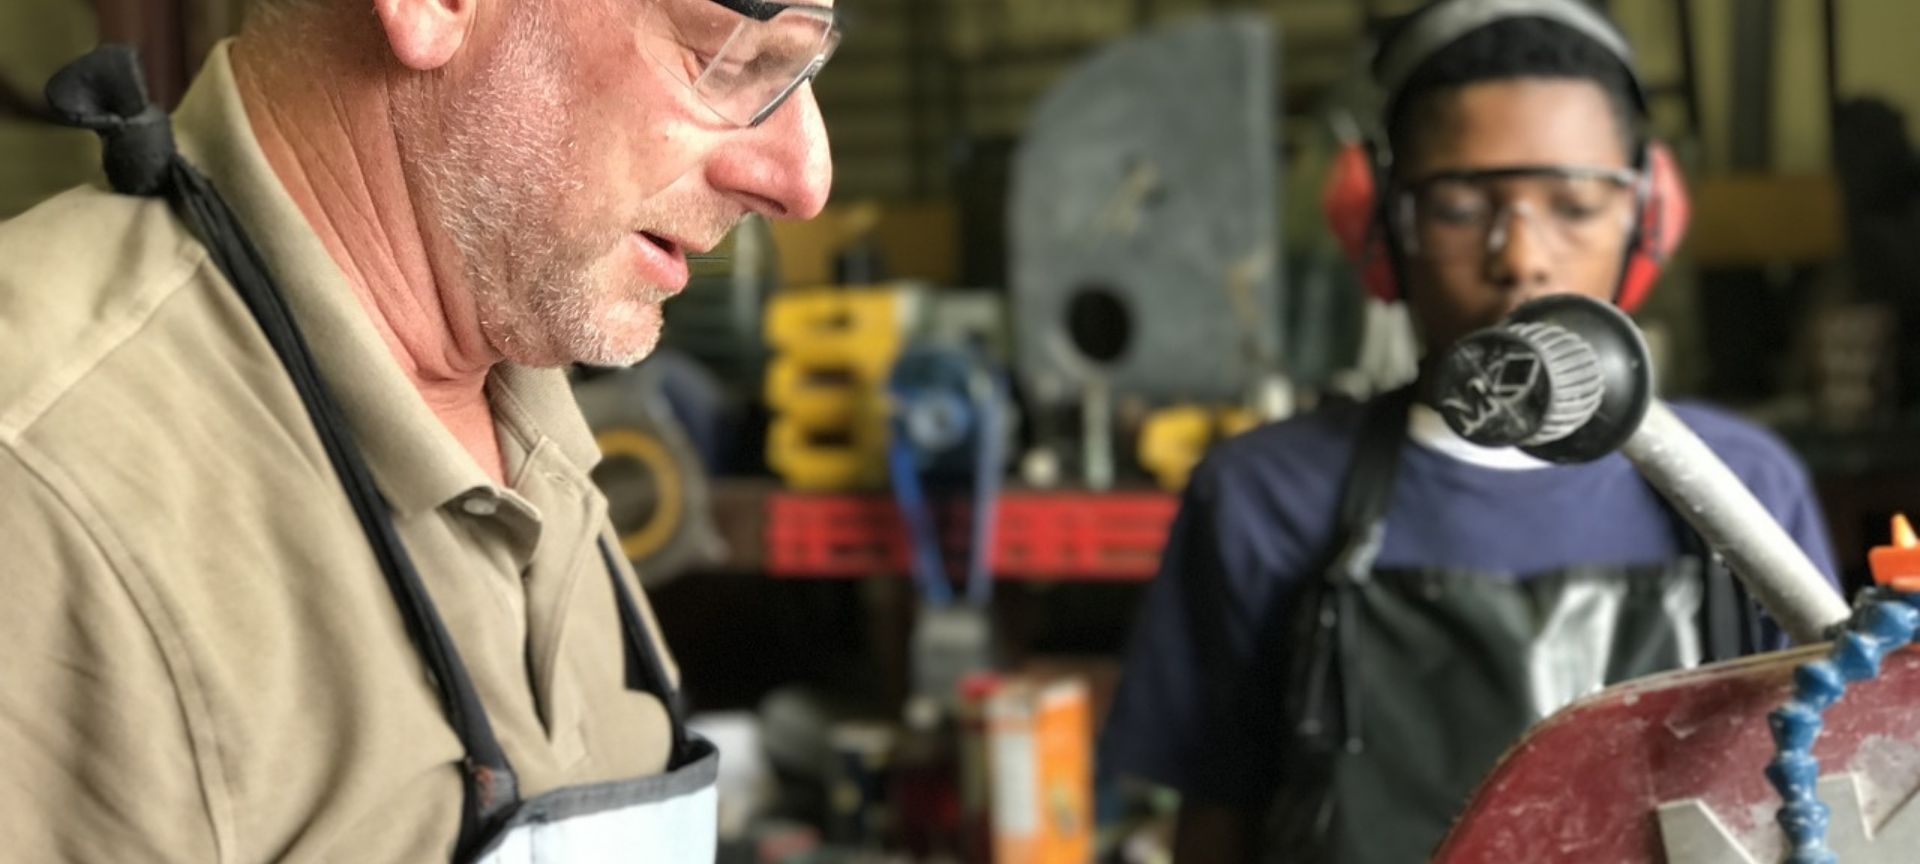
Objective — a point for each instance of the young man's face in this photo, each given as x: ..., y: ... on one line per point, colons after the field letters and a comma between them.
x: 1517, y: 189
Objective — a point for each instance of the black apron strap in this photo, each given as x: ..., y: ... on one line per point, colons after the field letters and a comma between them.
x: 103, y: 91
x: 1324, y: 646
x: 1315, y: 644
x: 645, y: 671
x: 1369, y: 487
x: 1729, y: 620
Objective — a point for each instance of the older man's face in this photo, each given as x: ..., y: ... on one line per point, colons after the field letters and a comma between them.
x: 565, y: 170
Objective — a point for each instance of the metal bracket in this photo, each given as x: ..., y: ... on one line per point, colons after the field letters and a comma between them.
x: 1692, y: 833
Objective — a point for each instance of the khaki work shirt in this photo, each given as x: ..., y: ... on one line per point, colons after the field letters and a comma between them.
x: 203, y: 661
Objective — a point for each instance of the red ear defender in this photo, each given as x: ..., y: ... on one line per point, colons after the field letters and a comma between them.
x: 1348, y: 200
x: 1662, y: 223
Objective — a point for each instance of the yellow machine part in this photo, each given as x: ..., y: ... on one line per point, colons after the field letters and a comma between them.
x: 820, y: 394
x: 1174, y: 439
x: 843, y: 324
x: 826, y: 384
x: 815, y: 459
x: 644, y: 541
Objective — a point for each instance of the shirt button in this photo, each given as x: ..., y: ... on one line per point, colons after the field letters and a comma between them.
x: 480, y: 505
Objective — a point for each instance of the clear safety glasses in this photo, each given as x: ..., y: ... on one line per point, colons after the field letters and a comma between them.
x: 1460, y: 215
x: 741, y: 58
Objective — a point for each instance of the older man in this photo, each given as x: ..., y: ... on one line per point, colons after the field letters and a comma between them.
x: 219, y: 655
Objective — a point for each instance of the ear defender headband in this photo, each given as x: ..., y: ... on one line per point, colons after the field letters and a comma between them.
x: 1351, y: 198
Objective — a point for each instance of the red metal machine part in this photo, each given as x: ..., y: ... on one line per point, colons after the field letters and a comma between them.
x: 1630, y: 774
x: 1668, y: 769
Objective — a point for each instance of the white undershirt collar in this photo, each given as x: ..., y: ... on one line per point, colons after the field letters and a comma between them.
x: 1428, y: 429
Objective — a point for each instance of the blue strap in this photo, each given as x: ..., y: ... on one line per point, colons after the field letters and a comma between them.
x: 989, y: 455
x: 925, y: 562
x: 926, y: 559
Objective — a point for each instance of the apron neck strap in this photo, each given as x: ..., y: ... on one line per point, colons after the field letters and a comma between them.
x: 1368, y: 491
x: 1729, y: 620
x: 1324, y: 643
x: 103, y: 91
x: 645, y: 670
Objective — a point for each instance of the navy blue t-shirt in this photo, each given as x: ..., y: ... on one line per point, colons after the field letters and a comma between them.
x: 1260, y: 510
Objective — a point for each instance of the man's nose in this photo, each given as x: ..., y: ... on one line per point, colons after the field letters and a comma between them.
x: 783, y: 168
x: 1519, y: 254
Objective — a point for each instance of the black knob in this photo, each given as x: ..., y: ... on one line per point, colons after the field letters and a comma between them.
x: 1525, y: 383
x: 1566, y: 378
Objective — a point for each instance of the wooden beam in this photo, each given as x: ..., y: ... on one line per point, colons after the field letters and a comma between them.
x: 1751, y: 220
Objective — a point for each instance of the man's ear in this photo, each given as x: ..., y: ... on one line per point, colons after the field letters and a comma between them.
x: 424, y: 34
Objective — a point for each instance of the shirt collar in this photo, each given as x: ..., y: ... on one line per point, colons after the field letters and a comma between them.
x: 1430, y: 430
x: 414, y: 458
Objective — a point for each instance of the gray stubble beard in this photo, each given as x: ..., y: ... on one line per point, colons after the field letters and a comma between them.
x: 504, y: 148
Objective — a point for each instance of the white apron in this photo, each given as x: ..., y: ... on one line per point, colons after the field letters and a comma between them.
x: 669, y: 817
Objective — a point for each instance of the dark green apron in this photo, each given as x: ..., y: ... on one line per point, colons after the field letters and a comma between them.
x: 1404, y: 687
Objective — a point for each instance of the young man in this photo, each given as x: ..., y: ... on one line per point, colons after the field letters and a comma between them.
x: 217, y: 653
x: 1357, y: 610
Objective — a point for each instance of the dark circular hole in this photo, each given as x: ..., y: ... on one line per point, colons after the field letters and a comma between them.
x: 633, y: 492
x: 1098, y: 323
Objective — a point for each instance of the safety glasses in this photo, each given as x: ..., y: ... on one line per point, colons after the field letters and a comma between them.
x: 741, y: 58
x: 1456, y: 215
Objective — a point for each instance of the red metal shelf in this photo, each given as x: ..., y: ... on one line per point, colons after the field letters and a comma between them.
x: 1039, y: 536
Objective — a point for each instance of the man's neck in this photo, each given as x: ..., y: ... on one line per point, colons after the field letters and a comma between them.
x: 331, y: 143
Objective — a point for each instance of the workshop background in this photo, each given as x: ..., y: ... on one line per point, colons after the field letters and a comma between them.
x: 1072, y: 243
